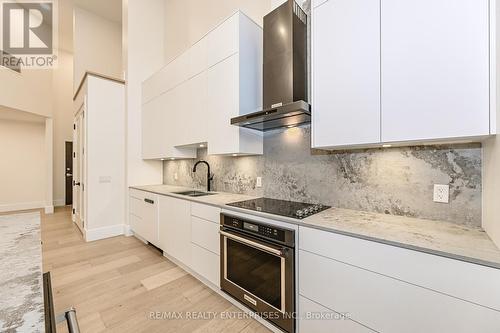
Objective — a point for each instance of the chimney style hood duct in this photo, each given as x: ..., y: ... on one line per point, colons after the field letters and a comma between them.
x: 285, y: 71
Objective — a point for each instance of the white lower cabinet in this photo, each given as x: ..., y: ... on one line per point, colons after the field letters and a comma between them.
x: 205, y: 234
x: 318, y: 319
x: 372, y: 285
x: 205, y: 248
x: 205, y: 263
x: 143, y: 215
x: 175, y: 228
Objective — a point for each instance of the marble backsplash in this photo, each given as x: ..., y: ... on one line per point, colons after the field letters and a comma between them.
x: 396, y: 181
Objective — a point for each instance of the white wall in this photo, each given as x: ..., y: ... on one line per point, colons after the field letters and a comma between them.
x: 186, y: 21
x: 23, y: 171
x: 62, y: 92
x: 143, y: 40
x: 97, y: 46
x: 29, y: 91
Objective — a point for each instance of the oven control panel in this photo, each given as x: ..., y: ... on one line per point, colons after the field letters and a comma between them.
x: 260, y: 229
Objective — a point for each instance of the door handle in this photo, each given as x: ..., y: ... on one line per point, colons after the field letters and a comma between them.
x: 69, y: 175
x: 149, y: 201
x: 251, y: 243
x: 76, y: 184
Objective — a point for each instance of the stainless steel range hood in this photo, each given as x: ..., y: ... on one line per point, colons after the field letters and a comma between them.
x: 285, y: 87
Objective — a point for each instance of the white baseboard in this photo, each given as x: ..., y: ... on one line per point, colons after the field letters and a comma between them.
x: 21, y: 206
x: 49, y: 209
x: 127, y: 231
x: 104, y: 232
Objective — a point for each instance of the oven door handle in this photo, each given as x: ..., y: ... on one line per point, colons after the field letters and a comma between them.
x: 246, y: 241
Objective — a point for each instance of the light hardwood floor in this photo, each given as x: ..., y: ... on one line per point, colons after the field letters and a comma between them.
x: 115, y: 285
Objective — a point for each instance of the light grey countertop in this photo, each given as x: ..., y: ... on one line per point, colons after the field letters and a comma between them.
x: 21, y: 290
x: 434, y: 237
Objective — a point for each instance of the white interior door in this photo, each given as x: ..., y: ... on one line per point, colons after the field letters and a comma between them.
x: 79, y: 169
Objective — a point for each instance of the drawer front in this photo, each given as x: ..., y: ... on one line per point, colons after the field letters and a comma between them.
x: 448, y: 276
x: 206, y: 212
x: 388, y: 305
x: 205, y: 234
x: 318, y: 319
x: 133, y: 193
x: 205, y: 263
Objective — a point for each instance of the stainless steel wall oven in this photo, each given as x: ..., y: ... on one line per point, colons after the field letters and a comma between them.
x: 257, y: 268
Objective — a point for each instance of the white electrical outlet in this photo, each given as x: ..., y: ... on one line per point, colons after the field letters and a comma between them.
x: 441, y: 193
x: 259, y: 182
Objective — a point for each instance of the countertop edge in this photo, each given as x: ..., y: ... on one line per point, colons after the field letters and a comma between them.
x: 300, y: 223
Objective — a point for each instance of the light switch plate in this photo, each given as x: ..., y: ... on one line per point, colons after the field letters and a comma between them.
x: 259, y: 182
x: 441, y: 193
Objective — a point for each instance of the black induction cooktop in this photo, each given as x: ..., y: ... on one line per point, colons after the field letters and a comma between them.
x: 297, y: 210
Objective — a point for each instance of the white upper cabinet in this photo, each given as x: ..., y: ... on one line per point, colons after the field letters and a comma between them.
x: 157, y: 114
x: 435, y: 69
x: 223, y: 41
x: 224, y: 102
x: 197, y: 57
x: 193, y: 98
x: 346, y: 72
x: 401, y: 71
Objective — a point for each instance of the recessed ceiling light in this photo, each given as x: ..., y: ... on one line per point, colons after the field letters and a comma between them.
x: 291, y: 126
x: 163, y: 159
x: 172, y: 158
x: 235, y: 155
x: 202, y: 145
x: 386, y: 146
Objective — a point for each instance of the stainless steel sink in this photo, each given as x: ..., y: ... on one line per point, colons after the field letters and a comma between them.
x: 194, y: 193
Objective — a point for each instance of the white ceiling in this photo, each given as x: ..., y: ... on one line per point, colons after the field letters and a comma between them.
x: 109, y: 9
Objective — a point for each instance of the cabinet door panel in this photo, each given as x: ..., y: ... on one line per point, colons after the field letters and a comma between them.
x: 206, y: 264
x: 205, y: 234
x: 447, y: 276
x: 333, y: 323
x: 223, y: 104
x: 197, y: 56
x: 175, y: 228
x: 152, y: 121
x: 144, y: 216
x: 386, y: 304
x: 346, y: 73
x: 223, y: 40
x: 435, y: 69
x: 194, y: 112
